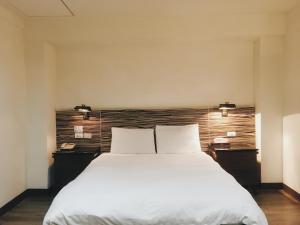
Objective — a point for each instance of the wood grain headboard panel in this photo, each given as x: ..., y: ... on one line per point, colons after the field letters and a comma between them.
x: 65, y: 122
x: 150, y: 118
x: 211, y: 124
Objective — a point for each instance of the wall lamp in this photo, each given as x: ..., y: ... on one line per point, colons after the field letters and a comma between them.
x: 85, y: 110
x: 225, y: 107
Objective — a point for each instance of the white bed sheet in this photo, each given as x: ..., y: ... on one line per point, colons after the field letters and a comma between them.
x: 162, y: 189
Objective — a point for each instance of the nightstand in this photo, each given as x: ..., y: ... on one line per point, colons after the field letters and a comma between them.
x: 69, y: 164
x: 241, y: 163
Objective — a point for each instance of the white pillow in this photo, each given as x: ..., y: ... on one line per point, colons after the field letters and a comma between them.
x: 132, y: 141
x: 178, y: 139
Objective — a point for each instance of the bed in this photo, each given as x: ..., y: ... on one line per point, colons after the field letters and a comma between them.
x: 154, y: 189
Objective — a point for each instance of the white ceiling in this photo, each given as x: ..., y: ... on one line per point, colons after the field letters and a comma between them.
x: 41, y: 7
x: 164, y: 7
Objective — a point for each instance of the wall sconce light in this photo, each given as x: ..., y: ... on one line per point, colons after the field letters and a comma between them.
x: 225, y: 107
x: 86, y: 110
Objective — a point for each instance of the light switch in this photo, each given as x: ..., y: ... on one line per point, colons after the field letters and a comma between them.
x: 78, y: 135
x: 231, y: 134
x: 78, y: 129
x: 87, y: 135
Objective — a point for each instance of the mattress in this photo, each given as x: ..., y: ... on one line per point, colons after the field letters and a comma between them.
x: 154, y: 189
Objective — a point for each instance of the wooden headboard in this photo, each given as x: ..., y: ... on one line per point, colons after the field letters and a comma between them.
x: 211, y: 124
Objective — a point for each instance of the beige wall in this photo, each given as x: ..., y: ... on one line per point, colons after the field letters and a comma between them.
x: 27, y: 97
x: 269, y: 70
x: 50, y: 117
x: 41, y: 78
x: 156, y: 75
x: 291, y: 119
x: 13, y: 107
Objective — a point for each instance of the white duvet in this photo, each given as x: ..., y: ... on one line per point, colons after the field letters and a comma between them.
x: 154, y: 190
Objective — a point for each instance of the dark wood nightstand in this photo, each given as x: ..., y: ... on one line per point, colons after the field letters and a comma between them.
x: 241, y: 163
x: 69, y: 164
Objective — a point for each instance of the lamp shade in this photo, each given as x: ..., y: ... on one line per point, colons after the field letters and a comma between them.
x: 83, y: 108
x: 227, y: 106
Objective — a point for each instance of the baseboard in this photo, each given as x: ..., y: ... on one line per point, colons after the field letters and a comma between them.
x: 271, y: 186
x: 29, y: 192
x: 291, y: 192
x: 8, y: 206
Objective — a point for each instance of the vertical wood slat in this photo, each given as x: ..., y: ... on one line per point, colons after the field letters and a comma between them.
x: 211, y: 124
